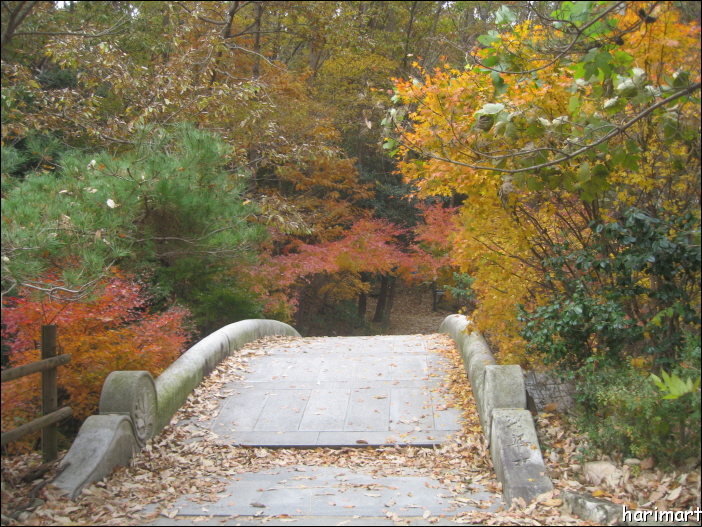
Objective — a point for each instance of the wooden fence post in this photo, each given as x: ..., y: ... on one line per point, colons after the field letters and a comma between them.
x: 49, y: 395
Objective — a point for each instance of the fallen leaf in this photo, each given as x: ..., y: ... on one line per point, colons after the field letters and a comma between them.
x: 553, y: 502
x: 674, y: 494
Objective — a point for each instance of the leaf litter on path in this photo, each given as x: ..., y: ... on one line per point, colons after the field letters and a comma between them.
x: 187, y: 460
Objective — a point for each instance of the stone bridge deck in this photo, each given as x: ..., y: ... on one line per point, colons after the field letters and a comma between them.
x: 343, y: 391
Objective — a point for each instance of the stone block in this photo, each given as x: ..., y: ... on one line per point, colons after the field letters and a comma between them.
x: 547, y: 388
x: 103, y: 442
x: 516, y: 455
x: 503, y: 387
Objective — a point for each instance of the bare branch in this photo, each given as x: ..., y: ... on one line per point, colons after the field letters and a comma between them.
x: 14, y: 21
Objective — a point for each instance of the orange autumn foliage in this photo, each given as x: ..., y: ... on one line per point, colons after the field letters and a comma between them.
x: 108, y: 333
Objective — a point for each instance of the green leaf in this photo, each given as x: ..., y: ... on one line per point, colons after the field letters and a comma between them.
x: 489, y: 39
x: 534, y: 184
x: 569, y: 180
x: 555, y: 181
x: 681, y: 79
x: 631, y: 162
x: 627, y: 88
x: 587, y: 195
x: 497, y: 80
x: 590, y: 55
x: 679, y: 386
x: 491, y: 61
x: 579, y: 70
x: 657, y: 381
x: 614, y: 105
x: 584, y: 173
x: 574, y: 104
x: 602, y: 61
x: 504, y: 15
x: 618, y: 154
x: 600, y: 171
x: 590, y: 71
x: 511, y: 132
x: 632, y: 147
x: 623, y: 58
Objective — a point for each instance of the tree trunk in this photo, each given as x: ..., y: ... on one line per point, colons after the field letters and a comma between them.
x: 363, y: 297
x: 385, y: 299
x: 362, y: 305
x: 382, y: 299
x: 257, y: 40
x: 391, y: 299
x: 413, y: 10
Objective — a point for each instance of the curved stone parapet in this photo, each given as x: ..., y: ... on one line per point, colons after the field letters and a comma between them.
x: 135, y: 408
x: 175, y: 384
x: 476, y: 357
x: 500, y: 397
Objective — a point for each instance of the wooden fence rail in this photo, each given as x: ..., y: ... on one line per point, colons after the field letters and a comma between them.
x: 51, y: 414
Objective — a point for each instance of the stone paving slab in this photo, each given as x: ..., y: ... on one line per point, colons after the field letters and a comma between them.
x: 327, y: 496
x: 338, y: 392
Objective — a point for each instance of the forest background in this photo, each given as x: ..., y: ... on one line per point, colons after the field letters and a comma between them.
x: 172, y: 167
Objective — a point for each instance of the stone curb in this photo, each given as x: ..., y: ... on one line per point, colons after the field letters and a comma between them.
x: 500, y: 396
x: 590, y: 508
x: 135, y: 408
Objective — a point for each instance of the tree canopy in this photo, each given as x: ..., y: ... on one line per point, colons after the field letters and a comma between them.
x: 575, y: 138
x: 235, y: 160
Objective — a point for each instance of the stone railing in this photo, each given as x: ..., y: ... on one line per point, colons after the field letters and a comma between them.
x: 500, y: 396
x: 134, y: 407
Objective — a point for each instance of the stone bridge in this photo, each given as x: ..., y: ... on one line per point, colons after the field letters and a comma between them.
x: 309, y: 393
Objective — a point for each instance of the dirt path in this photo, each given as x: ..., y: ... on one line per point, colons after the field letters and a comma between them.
x: 412, y: 312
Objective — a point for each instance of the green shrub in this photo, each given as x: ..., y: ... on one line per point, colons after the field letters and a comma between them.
x: 632, y: 290
x: 340, y: 318
x: 213, y: 294
x: 462, y: 291
x: 622, y: 410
